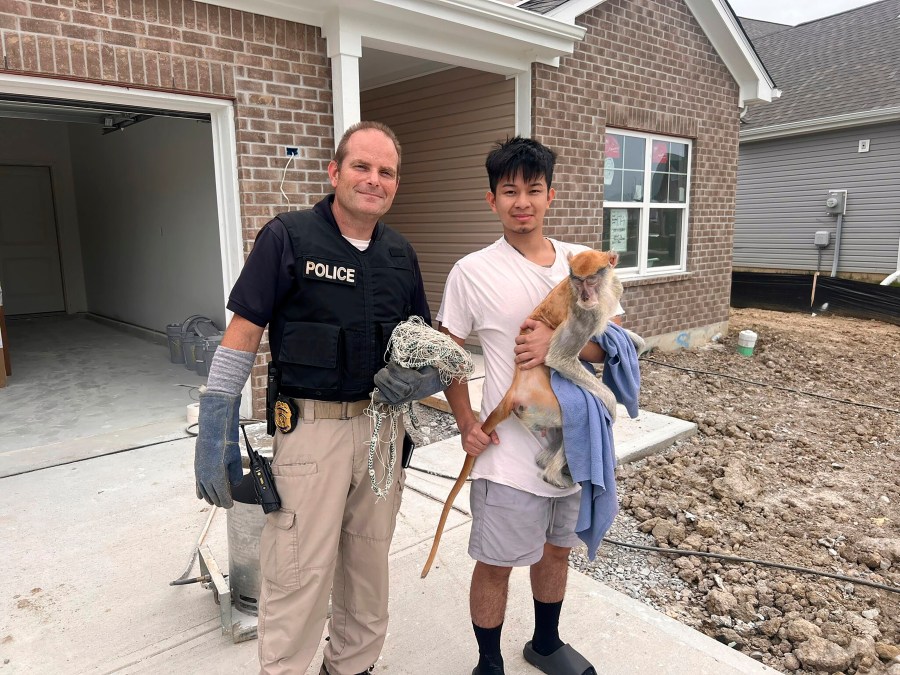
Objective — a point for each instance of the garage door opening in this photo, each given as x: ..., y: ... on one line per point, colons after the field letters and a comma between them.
x: 110, y: 229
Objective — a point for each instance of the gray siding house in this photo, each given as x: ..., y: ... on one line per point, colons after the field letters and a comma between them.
x: 835, y: 128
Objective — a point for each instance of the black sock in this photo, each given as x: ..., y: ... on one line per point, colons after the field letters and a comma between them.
x: 546, y: 627
x: 489, y: 643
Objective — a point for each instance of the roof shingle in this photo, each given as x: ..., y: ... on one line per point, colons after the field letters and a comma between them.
x: 845, y: 63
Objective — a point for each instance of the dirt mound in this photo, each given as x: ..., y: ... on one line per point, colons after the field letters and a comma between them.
x: 797, y: 462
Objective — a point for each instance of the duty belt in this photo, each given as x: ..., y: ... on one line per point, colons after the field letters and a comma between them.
x: 334, y: 410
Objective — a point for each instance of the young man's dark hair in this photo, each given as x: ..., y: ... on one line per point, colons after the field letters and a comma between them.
x: 519, y: 157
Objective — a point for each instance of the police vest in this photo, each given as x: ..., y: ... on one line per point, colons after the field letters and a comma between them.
x: 329, y: 336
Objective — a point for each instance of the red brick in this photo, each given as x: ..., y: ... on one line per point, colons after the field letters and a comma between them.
x: 42, y: 26
x: 108, y: 62
x: 79, y: 58
x: 49, y: 12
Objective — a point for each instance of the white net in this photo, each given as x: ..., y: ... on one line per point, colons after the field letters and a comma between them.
x: 413, y: 344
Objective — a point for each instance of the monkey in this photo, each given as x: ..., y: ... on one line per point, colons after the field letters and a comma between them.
x: 578, y: 308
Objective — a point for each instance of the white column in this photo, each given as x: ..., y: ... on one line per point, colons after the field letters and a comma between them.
x: 344, y: 50
x: 523, y: 103
x: 345, y: 88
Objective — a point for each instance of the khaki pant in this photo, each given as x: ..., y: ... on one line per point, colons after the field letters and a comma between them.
x: 331, y: 536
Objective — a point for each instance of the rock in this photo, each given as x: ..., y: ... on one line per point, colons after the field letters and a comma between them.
x: 791, y: 662
x: 862, y: 652
x: 677, y: 534
x: 893, y: 669
x: 801, y: 630
x: 735, y: 485
x: 886, y: 652
x: 862, y: 626
x: 820, y: 654
x: 661, y: 531
x: 720, y: 602
x: 881, y: 546
x: 707, y: 528
x: 770, y: 628
x: 870, y: 613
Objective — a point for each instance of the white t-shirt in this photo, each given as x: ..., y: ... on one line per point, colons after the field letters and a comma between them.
x: 491, y: 292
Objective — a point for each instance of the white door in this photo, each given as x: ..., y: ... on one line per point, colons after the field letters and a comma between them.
x: 30, y: 274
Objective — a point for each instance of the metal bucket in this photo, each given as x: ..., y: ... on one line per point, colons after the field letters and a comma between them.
x: 245, y: 525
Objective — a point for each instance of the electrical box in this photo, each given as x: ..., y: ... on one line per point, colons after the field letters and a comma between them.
x: 836, y: 202
x: 822, y: 238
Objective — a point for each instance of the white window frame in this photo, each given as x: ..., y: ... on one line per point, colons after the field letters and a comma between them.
x: 645, y: 205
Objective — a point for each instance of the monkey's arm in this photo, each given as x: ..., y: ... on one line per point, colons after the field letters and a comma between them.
x: 532, y: 346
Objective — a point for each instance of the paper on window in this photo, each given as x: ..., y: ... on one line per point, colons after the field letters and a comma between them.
x: 618, y: 230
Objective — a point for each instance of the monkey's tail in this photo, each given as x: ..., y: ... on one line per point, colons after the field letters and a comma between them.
x: 490, y: 424
x: 457, y: 486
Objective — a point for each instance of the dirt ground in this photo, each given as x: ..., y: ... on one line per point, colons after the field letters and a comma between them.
x: 792, y: 473
x: 774, y: 474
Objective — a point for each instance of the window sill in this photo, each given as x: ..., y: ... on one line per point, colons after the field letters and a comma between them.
x: 648, y: 279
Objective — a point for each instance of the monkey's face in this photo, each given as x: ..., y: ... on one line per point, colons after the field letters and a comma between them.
x: 591, y: 274
x: 519, y: 205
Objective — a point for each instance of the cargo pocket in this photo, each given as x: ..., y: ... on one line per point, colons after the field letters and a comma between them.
x: 278, y: 550
x: 511, y: 533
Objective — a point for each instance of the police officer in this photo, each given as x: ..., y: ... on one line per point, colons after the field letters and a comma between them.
x: 331, y: 283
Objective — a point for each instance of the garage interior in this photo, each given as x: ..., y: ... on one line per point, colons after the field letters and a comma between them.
x: 108, y: 232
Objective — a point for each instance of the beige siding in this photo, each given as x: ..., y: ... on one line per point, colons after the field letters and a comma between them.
x: 446, y: 123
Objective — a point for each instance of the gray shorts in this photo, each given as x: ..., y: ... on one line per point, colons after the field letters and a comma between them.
x: 510, y: 526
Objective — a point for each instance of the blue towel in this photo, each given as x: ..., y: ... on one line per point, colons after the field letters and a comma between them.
x: 587, y: 435
x: 621, y: 372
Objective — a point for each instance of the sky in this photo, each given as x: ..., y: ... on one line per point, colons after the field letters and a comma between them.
x: 792, y: 12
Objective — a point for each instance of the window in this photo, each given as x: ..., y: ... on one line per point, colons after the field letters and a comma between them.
x: 646, y: 183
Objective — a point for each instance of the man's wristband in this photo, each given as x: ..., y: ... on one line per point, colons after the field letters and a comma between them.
x: 229, y: 370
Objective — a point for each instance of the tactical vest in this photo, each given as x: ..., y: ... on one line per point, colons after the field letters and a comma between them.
x: 329, y: 336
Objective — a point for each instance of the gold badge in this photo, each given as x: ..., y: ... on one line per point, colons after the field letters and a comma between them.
x: 284, y: 417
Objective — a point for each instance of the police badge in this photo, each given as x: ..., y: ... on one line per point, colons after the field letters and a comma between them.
x: 286, y: 414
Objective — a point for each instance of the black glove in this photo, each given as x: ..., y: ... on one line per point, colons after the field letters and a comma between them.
x: 397, y: 385
x: 217, y: 455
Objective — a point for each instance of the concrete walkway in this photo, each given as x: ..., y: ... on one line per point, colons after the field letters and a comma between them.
x: 90, y: 547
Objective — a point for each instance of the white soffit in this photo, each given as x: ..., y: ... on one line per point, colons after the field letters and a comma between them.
x: 476, y: 33
x: 729, y: 40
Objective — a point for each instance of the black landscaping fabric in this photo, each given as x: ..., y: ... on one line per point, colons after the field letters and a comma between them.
x: 792, y: 292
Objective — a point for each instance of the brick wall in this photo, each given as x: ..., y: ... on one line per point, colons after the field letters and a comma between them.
x: 646, y: 65
x: 277, y: 73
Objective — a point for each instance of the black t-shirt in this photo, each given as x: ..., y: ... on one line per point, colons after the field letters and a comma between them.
x: 268, y: 274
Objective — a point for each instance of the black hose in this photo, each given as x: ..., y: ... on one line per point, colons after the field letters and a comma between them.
x: 773, y: 386
x: 765, y: 563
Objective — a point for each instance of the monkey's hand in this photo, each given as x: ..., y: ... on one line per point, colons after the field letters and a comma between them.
x: 474, y: 440
x: 532, y: 344
x: 396, y: 385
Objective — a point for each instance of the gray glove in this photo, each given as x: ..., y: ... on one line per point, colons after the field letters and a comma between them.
x: 398, y: 385
x: 217, y: 455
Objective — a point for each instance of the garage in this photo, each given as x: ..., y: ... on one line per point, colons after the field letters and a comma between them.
x: 111, y: 228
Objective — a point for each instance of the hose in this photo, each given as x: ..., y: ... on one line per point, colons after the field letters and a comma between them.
x: 773, y: 386
x: 765, y: 563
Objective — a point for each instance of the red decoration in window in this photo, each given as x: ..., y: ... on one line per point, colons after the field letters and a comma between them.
x: 613, y: 150
x: 660, y: 154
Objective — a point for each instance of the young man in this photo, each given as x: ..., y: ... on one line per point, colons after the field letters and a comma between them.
x: 331, y: 282
x: 517, y: 519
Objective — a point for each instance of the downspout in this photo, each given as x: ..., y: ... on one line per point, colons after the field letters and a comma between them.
x: 896, y: 275
x: 837, y: 244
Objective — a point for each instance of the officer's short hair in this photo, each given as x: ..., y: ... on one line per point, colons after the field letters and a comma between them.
x: 341, y: 153
x: 519, y: 156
